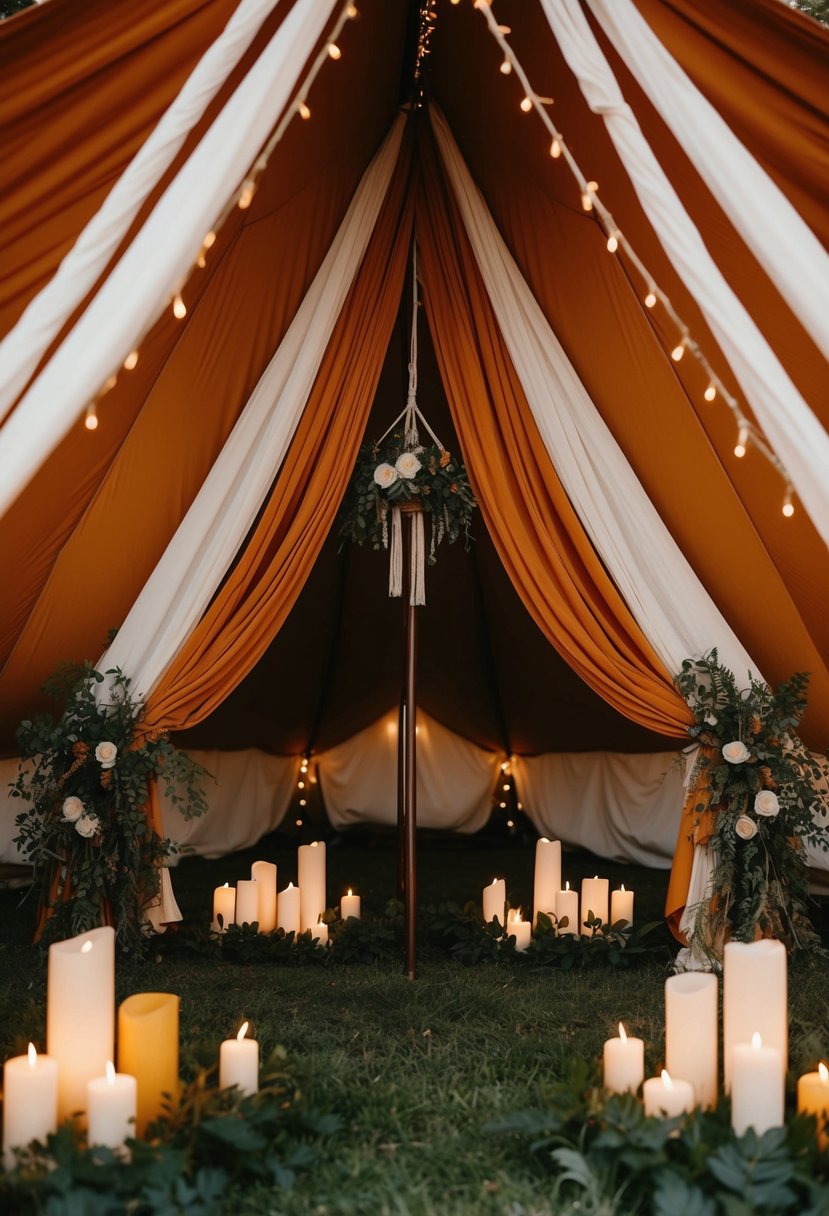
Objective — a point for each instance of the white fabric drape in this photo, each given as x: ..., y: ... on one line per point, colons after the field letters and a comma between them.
x: 669, y: 603
x: 161, y: 254
x: 197, y: 558
x: 789, y: 424
x: 25, y: 344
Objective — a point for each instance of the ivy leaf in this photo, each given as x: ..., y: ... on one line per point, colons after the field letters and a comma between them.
x: 673, y: 1195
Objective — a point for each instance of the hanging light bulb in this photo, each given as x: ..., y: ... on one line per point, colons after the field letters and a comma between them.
x: 303, y: 802
x: 678, y: 351
x: 351, y: 12
x: 711, y: 392
x: 303, y: 110
x: 742, y: 440
x: 788, y: 505
x: 210, y: 240
x: 179, y: 307
x: 526, y: 105
x: 506, y: 67
x: 246, y: 194
x: 612, y: 242
x: 91, y: 419
x: 650, y: 299
x: 131, y: 361
x: 108, y: 385
x: 334, y: 51
x: 587, y: 195
x: 555, y: 149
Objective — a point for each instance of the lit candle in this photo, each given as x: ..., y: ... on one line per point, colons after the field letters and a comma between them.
x: 757, y: 1087
x: 691, y: 1032
x: 567, y: 909
x: 520, y: 929
x: 813, y: 1099
x: 80, y: 1013
x: 495, y: 898
x: 112, y: 1101
x: 594, y: 896
x: 547, y: 877
x: 624, y: 1063
x: 350, y: 906
x: 621, y: 906
x: 319, y: 932
x: 667, y: 1096
x: 264, y: 874
x: 754, y: 998
x: 287, y: 909
x: 30, y: 1101
x: 148, y: 1050
x: 247, y: 901
x: 311, y: 880
x: 239, y: 1062
x: 224, y: 905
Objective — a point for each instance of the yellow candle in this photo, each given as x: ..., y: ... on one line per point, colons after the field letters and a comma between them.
x: 567, y: 908
x: 311, y: 880
x: 239, y: 1062
x: 667, y: 1096
x: 520, y: 929
x: 224, y: 905
x: 148, y: 1050
x: 757, y: 1087
x: 264, y: 874
x: 624, y: 1063
x: 30, y: 1101
x: 594, y: 899
x: 691, y: 1032
x: 287, y: 909
x: 247, y: 901
x: 80, y: 1013
x: 547, y: 879
x: 621, y: 906
x: 111, y: 1102
x: 350, y: 906
x: 495, y: 897
x: 813, y: 1099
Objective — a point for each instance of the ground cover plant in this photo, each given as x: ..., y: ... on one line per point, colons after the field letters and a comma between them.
x: 415, y: 1074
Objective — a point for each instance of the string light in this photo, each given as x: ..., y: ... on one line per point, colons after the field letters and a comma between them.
x: 612, y: 243
x: 131, y: 361
x: 303, y: 802
x: 352, y: 12
x: 555, y: 149
x: 108, y: 385
x: 179, y: 307
x: 334, y: 51
x: 91, y: 419
x: 506, y: 67
x: 711, y: 392
x: 650, y: 299
x: 788, y: 505
x: 742, y: 441
x: 247, y: 192
x: 678, y: 351
x: 527, y: 105
x: 299, y: 823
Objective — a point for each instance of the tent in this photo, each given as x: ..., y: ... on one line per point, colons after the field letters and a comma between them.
x: 205, y: 235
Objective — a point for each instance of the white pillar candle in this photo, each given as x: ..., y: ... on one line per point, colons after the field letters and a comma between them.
x: 112, y: 1102
x: 264, y: 874
x: 547, y: 877
x: 757, y: 1087
x: 494, y: 900
x: 754, y: 998
x: 519, y: 928
x: 311, y: 880
x: 624, y: 1063
x: 692, y: 1032
x: 247, y: 901
x: 80, y: 1013
x: 350, y: 906
x: 224, y: 905
x: 287, y: 909
x: 239, y: 1062
x: 319, y: 932
x: 30, y: 1101
x: 813, y: 1099
x: 594, y: 897
x: 621, y: 906
x: 667, y: 1096
x: 567, y: 908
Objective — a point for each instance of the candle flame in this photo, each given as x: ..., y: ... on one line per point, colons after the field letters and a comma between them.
x: 623, y: 886
x: 823, y: 1072
x: 756, y: 1041
x: 349, y: 890
x: 86, y: 947
x: 595, y: 876
x: 516, y: 916
x: 544, y: 840
x: 227, y: 884
x: 494, y: 881
x: 33, y: 1056
x: 290, y: 884
x: 666, y: 1079
x: 622, y: 1034
x: 243, y: 1029
x: 110, y: 1071
x: 567, y: 886
x: 314, y: 844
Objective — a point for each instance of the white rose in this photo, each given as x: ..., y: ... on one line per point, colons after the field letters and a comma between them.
x: 766, y: 803
x: 72, y: 809
x: 385, y: 475
x: 105, y: 754
x: 745, y: 828
x: 407, y: 464
x: 88, y: 825
x: 736, y: 752
x: 711, y: 720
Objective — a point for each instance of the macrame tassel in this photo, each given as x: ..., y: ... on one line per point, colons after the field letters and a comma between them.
x: 417, y: 576
x: 396, y: 555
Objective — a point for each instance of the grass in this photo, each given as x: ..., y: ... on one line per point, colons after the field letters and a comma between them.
x: 413, y: 1070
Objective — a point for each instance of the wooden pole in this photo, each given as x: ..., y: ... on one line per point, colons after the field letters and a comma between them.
x: 408, y: 753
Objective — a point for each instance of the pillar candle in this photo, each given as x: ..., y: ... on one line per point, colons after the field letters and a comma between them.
x: 594, y: 897
x: 813, y: 1099
x: 624, y: 1063
x: 247, y: 901
x: 667, y: 1096
x: 621, y: 906
x: 30, y: 1101
x: 264, y: 874
x: 494, y: 899
x: 757, y: 1087
x: 80, y: 1013
x: 350, y: 906
x: 239, y: 1062
x: 287, y: 909
x: 520, y: 929
x: 692, y: 1032
x: 224, y: 905
x: 547, y: 877
x: 567, y: 908
x: 311, y: 880
x: 319, y: 932
x: 148, y: 1050
x: 112, y: 1104
x: 754, y: 998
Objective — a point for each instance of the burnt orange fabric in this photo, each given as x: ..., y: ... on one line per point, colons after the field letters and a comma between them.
x: 696, y: 826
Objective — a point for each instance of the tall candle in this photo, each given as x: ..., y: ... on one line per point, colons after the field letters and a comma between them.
x: 757, y: 1087
x: 594, y: 898
x: 287, y: 909
x: 621, y: 906
x: 264, y: 874
x: 224, y: 905
x: 754, y: 998
x: 350, y: 906
x: 667, y: 1096
x: 311, y: 880
x: 547, y: 877
x: 239, y: 1062
x: 148, y: 1050
x: 494, y: 900
x: 247, y: 901
x: 520, y: 929
x: 30, y: 1101
x: 567, y: 908
x: 112, y: 1104
x: 813, y: 1099
x: 691, y: 1032
x: 80, y: 1013
x: 624, y: 1063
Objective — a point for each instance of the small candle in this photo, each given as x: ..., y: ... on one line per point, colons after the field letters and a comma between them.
x: 350, y: 906
x: 494, y: 900
x: 264, y: 873
x: 30, y: 1101
x: 594, y: 897
x: 239, y: 1062
x: 757, y: 1087
x: 624, y: 1063
x: 691, y: 1032
x: 319, y: 932
x: 813, y: 1099
x: 621, y: 906
x: 148, y: 1050
x: 547, y: 877
x: 111, y: 1103
x: 567, y: 909
x: 311, y: 879
x: 667, y: 1096
x: 287, y: 909
x: 224, y: 905
x: 519, y: 928
x: 247, y: 901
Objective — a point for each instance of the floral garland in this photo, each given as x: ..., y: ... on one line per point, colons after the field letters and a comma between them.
x: 95, y: 854
x: 756, y: 786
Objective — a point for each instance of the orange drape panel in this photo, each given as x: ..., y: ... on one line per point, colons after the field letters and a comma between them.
x: 260, y: 592
x: 538, y: 536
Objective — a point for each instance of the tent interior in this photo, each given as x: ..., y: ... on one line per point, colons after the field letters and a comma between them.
x: 532, y: 644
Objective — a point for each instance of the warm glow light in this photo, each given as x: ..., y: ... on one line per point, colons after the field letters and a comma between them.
x: 303, y: 802
x: 243, y: 1029
x: 742, y: 440
x: 710, y: 393
x: 506, y: 67
x: 33, y: 1056
x: 110, y: 1072
x: 227, y: 884
x: 788, y: 506
x: 352, y: 12
x: 91, y: 419
x: 623, y: 886
x: 246, y: 194
x: 567, y: 886
x: 301, y: 785
x: 502, y: 805
x: 650, y: 300
x: 350, y: 892
x: 595, y: 876
x: 526, y: 105
x: 179, y: 307
x: 210, y: 240
x: 586, y: 202
x: 131, y: 360
x: 666, y: 1079
x: 494, y: 881
x: 678, y: 352
x: 299, y: 823
x: 756, y: 1041
x: 517, y: 917
x: 314, y: 844
x: 520, y: 806
x: 622, y: 1034
x: 612, y: 243
x: 334, y: 51
x: 86, y: 947
x: 823, y: 1072
x: 506, y: 785
x: 555, y: 149
x: 510, y: 823
x: 303, y: 110
x: 290, y: 885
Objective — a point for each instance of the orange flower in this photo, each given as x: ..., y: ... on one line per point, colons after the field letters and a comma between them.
x: 80, y: 749
x: 756, y: 725
x: 445, y: 457
x: 768, y: 781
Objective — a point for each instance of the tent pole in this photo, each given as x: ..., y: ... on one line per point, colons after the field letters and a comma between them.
x: 409, y: 756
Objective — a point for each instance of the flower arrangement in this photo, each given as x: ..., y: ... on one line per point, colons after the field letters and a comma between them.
x: 757, y: 784
x: 95, y: 854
